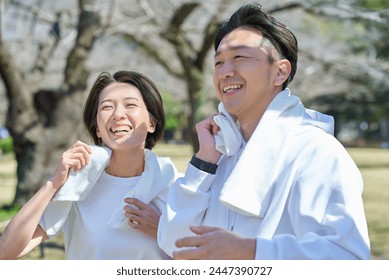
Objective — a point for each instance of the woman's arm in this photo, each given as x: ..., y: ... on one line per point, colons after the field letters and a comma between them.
x: 23, y: 233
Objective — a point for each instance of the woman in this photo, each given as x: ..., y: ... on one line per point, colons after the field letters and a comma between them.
x: 124, y: 116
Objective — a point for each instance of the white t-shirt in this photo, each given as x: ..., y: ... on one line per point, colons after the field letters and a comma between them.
x: 86, y: 230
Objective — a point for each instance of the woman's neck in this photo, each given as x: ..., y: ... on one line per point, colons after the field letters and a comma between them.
x: 126, y: 163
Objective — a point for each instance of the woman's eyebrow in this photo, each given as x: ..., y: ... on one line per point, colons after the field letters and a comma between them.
x: 110, y: 100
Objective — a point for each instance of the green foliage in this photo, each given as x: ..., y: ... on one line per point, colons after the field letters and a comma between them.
x: 172, y: 122
x: 172, y: 111
x: 7, y: 213
x: 374, y: 4
x: 6, y: 145
x: 375, y: 34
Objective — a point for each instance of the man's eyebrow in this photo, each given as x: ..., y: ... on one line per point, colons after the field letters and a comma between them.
x: 234, y: 48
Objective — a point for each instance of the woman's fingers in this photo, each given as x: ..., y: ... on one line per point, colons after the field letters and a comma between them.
x: 77, y: 156
x: 142, y: 217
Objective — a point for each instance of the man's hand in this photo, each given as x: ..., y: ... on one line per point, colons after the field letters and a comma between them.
x: 215, y: 244
x: 206, y: 129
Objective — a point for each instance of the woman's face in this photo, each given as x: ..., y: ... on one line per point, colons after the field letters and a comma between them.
x: 122, y: 117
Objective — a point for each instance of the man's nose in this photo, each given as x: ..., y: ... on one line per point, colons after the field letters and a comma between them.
x: 226, y: 70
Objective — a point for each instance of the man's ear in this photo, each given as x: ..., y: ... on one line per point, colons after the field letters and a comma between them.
x: 283, y: 71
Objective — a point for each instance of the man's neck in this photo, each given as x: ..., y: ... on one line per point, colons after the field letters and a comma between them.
x: 249, y: 120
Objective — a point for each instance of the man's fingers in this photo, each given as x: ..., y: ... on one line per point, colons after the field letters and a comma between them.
x: 186, y: 254
x: 203, y: 229
x: 190, y: 241
x: 195, y: 241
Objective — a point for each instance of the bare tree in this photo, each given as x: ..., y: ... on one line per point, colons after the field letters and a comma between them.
x: 43, y: 122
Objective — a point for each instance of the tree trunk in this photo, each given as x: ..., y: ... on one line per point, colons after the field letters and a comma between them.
x: 44, y: 123
x: 194, y: 95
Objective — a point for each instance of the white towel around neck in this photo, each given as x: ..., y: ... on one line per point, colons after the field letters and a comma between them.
x: 158, y: 175
x: 247, y: 188
x: 229, y: 139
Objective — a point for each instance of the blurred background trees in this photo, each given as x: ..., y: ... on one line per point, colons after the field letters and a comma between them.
x: 51, y: 52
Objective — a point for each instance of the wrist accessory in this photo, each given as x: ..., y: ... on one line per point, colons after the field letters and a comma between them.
x: 203, y: 165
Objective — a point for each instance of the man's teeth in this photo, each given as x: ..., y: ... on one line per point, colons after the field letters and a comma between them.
x: 231, y: 87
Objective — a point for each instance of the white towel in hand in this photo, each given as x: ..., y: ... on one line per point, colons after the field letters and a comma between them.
x: 77, y: 187
x: 229, y: 138
x: 80, y: 183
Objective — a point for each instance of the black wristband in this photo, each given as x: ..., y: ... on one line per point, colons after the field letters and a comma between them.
x: 203, y: 165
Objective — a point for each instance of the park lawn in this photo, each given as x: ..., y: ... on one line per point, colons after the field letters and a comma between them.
x: 374, y: 166
x: 373, y: 163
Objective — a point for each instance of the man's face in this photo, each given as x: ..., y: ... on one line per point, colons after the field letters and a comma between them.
x: 244, y: 78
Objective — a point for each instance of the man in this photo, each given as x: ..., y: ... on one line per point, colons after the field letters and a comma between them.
x: 291, y: 191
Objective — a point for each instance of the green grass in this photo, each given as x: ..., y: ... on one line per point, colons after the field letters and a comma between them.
x: 374, y: 166
x: 180, y: 154
x: 373, y: 163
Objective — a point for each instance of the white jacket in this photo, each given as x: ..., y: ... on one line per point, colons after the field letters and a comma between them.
x: 293, y: 186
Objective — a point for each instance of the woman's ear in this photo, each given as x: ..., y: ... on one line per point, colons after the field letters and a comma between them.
x: 283, y: 72
x: 152, y: 126
x: 98, y: 132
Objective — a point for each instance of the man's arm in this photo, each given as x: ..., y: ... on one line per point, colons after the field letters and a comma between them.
x: 186, y: 205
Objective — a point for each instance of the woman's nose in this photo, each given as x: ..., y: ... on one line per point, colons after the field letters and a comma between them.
x: 119, y: 112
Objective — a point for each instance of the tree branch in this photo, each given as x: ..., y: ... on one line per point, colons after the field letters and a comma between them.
x: 152, y: 51
x: 210, y: 32
x: 88, y: 29
x: 336, y: 10
x: 179, y: 17
x: 176, y: 37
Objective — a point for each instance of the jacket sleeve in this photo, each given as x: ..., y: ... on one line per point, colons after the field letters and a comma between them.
x: 187, y: 203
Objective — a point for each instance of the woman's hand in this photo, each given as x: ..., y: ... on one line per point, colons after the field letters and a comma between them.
x: 76, y: 157
x: 142, y: 217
